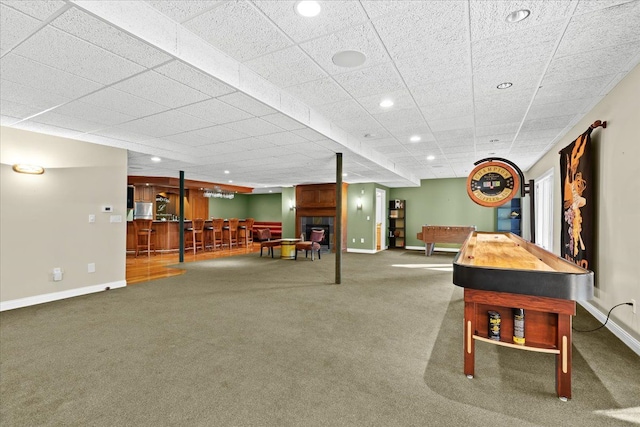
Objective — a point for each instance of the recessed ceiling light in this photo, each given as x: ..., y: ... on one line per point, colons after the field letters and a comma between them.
x: 504, y: 85
x: 431, y: 158
x: 349, y: 58
x: 386, y: 103
x: 156, y: 159
x: 270, y: 191
x: 226, y: 172
x: 307, y: 8
x: 230, y: 181
x: 415, y: 138
x: 518, y: 15
x: 344, y: 174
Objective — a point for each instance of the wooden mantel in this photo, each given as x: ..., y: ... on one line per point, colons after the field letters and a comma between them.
x: 320, y: 200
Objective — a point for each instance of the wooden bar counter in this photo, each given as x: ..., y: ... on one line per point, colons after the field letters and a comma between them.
x: 167, y: 234
x: 502, y: 272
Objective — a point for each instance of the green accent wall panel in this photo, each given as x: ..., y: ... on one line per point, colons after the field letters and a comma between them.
x: 441, y: 202
x: 265, y: 207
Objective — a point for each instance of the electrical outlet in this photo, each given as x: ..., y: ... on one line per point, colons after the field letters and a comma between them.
x: 92, y: 218
x: 354, y: 240
x: 633, y: 306
x: 362, y: 240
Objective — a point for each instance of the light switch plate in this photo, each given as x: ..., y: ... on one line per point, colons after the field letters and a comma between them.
x: 115, y: 218
x: 92, y: 218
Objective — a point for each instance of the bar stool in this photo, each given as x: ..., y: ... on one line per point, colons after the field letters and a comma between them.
x: 245, y: 231
x: 197, y: 234
x: 230, y: 233
x: 216, y: 232
x: 143, y: 231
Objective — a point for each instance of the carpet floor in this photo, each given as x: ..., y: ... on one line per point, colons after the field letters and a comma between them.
x: 251, y: 341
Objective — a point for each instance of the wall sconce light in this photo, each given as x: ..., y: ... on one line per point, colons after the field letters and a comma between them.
x: 30, y: 169
x: 291, y: 205
x: 359, y: 204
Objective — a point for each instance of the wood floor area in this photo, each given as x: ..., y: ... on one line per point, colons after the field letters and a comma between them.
x: 145, y: 268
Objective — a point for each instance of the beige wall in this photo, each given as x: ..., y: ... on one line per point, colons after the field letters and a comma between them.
x: 617, y: 153
x: 44, y: 218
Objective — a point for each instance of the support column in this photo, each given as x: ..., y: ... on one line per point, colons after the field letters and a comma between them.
x: 338, y: 225
x: 181, y: 219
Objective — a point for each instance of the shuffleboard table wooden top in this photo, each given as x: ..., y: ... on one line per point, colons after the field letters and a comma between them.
x: 504, y: 262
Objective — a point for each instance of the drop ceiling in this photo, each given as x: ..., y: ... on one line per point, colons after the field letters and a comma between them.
x: 249, y: 87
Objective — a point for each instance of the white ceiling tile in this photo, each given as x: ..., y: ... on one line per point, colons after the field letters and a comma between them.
x: 593, y: 5
x: 546, y: 123
x: 347, y: 109
x: 613, y: 26
x: 309, y: 134
x: 66, y: 122
x: 215, y: 111
x: 424, y: 26
x: 436, y: 65
x: 148, y: 127
x: 123, y: 102
x: 38, y: 99
x: 451, y: 123
x: 283, y: 138
x: 182, y: 10
x: 360, y: 38
x: 563, y: 108
x: 400, y: 119
x: 485, y: 131
x: 63, y: 51
x: 381, y: 79
x: 156, y: 87
x: 239, y: 30
x: 598, y: 62
x: 560, y: 91
x: 528, y: 46
x: 455, y: 90
x: 402, y: 100
x: 178, y: 120
x: 424, y: 132
x: 299, y: 67
x: 93, y: 113
x: 37, y: 9
x: 488, y: 18
x: 16, y: 110
x: 454, y: 134
x: 90, y: 29
x: 283, y: 121
x: 523, y: 79
x: 318, y: 92
x: 38, y: 76
x: 447, y: 110
x: 14, y: 27
x: 216, y: 134
x: 335, y: 15
x: 254, y: 127
x: 360, y: 127
x: 247, y: 103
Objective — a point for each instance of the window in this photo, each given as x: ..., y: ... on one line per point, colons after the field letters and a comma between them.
x: 544, y: 210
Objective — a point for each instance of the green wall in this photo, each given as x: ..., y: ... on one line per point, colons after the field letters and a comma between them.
x: 441, y: 202
x: 265, y: 207
x: 238, y: 207
x: 358, y: 226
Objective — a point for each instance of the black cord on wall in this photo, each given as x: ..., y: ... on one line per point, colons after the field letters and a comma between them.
x: 605, y: 322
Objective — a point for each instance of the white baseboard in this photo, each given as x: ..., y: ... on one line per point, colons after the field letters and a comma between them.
x: 362, y: 251
x: 437, y: 249
x: 55, y: 296
x: 615, y: 329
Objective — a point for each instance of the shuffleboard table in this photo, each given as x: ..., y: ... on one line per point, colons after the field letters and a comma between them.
x: 502, y: 272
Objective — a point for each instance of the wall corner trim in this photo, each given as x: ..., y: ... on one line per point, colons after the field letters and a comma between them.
x: 56, y: 296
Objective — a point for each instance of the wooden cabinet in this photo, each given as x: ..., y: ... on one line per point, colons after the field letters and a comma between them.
x: 144, y: 193
x: 509, y: 217
x: 397, y: 224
